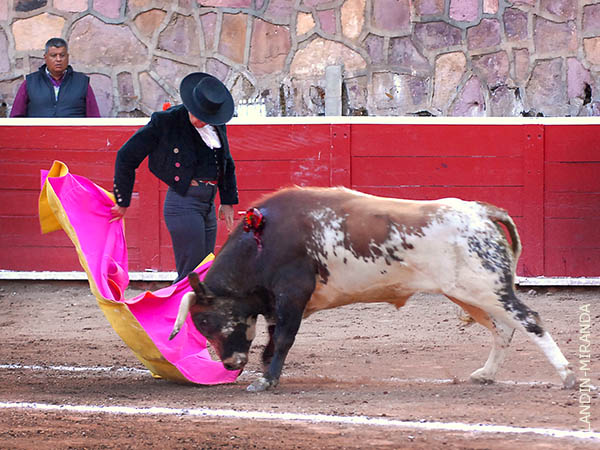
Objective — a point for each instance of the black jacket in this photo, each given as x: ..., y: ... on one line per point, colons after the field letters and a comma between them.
x: 170, y: 141
x: 71, y: 100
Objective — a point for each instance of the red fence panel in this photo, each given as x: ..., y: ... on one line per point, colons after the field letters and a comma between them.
x: 572, y: 203
x: 499, y: 164
x: 24, y: 150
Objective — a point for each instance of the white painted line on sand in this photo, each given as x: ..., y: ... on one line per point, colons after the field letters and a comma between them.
x: 457, y: 381
x: 313, y: 418
x: 74, y: 369
x: 248, y: 373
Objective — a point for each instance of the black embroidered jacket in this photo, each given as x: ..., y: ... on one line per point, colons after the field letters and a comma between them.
x: 174, y: 150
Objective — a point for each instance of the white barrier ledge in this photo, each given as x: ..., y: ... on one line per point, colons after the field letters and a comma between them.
x: 558, y: 281
x: 170, y: 276
x: 81, y: 276
x: 313, y: 120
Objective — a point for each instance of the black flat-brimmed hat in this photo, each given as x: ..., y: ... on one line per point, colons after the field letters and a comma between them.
x: 207, y: 98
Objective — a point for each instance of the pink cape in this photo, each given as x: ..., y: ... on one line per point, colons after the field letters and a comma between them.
x: 82, y: 209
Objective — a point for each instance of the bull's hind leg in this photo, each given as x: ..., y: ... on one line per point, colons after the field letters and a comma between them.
x: 532, y: 324
x: 506, y: 313
x: 502, y: 335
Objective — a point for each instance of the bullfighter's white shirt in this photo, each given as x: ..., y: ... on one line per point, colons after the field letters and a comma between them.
x: 209, y: 136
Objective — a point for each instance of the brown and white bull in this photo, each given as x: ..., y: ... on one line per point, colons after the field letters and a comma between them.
x: 303, y: 250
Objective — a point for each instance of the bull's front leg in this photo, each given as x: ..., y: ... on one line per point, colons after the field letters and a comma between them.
x: 267, y: 355
x: 287, y: 324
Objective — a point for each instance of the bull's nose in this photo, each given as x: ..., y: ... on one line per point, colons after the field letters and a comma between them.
x: 236, y: 361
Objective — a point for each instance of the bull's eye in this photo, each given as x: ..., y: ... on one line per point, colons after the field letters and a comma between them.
x: 204, y: 325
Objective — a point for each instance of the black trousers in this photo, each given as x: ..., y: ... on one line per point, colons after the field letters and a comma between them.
x: 192, y: 223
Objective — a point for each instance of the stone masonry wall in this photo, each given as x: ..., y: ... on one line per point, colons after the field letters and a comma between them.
x: 397, y: 57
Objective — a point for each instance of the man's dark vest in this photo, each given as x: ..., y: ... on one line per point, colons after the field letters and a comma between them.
x: 71, y: 96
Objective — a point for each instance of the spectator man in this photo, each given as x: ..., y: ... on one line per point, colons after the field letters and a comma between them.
x: 55, y: 90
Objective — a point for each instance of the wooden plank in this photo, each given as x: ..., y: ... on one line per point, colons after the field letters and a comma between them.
x: 18, y: 203
x: 341, y: 159
x: 580, y: 233
x: 151, y: 211
x: 60, y: 256
x: 436, y: 171
x: 45, y: 157
x: 26, y: 232
x: 165, y: 248
x: 568, y: 143
x: 26, y: 174
x: 572, y: 204
x: 581, y: 262
x: 572, y: 226
x: 249, y: 198
x: 27, y: 258
x: 532, y: 146
x: 260, y: 175
x: 507, y: 197
x: 572, y: 177
x: 274, y: 142
x: 65, y: 137
x: 437, y: 140
x: 167, y: 259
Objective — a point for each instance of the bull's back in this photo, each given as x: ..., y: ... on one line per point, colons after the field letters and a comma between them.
x: 384, y: 250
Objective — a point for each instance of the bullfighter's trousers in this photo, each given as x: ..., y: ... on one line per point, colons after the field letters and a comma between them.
x: 192, y: 223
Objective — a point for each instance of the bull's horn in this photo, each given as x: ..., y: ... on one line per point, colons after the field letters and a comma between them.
x: 187, y: 301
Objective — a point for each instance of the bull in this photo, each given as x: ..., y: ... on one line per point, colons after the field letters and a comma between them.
x: 303, y: 250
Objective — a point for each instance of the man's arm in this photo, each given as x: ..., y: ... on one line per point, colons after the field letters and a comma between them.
x: 19, y: 107
x: 91, y: 106
x: 131, y: 155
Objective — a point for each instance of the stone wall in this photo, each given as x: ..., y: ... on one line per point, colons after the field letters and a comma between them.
x: 397, y: 57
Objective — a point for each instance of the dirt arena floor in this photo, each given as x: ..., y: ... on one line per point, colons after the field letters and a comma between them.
x: 362, y: 376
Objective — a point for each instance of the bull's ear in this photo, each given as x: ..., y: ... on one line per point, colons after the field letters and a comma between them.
x: 194, y: 280
x: 203, y: 295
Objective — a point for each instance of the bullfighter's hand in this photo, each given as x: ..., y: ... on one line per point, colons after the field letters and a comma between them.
x: 226, y: 212
x: 117, y: 212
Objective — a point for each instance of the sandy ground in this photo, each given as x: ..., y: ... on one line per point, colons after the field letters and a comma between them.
x: 409, y: 365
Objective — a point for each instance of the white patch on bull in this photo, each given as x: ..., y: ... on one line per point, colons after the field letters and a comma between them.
x: 330, y: 233
x: 228, y: 328
x: 250, y: 331
x: 556, y: 358
x: 441, y: 259
x: 237, y: 360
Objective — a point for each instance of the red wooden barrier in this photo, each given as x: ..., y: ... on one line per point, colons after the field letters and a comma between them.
x: 545, y: 175
x: 572, y: 201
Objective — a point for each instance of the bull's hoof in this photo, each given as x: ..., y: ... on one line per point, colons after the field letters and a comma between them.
x: 480, y: 377
x: 260, y: 385
x: 570, y: 381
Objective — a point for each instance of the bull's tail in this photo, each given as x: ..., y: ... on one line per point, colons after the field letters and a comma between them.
x: 499, y: 215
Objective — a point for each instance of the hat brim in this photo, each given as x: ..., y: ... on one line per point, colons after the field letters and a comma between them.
x: 219, y: 117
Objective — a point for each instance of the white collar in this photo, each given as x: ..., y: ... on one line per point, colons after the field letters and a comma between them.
x: 209, y: 135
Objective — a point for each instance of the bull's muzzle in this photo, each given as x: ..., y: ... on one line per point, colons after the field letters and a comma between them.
x: 236, y: 361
